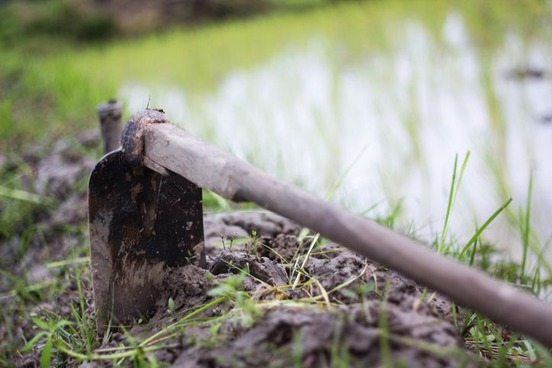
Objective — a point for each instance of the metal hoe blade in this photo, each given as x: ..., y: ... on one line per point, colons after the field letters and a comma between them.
x: 142, y: 224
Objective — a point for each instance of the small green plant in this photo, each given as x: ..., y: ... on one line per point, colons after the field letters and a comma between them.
x: 253, y: 243
x: 50, y: 331
x: 232, y: 290
x: 298, y: 269
x: 60, y: 337
x: 171, y: 306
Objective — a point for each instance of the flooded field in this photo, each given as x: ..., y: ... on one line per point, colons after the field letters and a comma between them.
x: 385, y: 126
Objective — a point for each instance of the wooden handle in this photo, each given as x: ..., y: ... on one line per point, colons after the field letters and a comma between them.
x: 212, y: 168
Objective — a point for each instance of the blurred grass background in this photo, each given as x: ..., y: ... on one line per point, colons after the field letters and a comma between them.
x: 60, y: 58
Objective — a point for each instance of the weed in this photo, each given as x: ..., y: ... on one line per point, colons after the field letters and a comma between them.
x: 453, y: 192
x: 171, y: 307
x: 253, y: 244
x: 298, y: 269
x: 231, y: 289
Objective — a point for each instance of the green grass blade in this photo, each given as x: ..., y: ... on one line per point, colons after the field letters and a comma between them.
x: 33, y: 341
x: 46, y: 354
x: 454, y: 188
x: 20, y: 195
x: 525, y: 230
x: 483, y: 227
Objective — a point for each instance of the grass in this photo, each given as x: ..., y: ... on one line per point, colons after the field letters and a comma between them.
x: 67, y: 339
x: 453, y: 192
x: 494, y: 342
x: 497, y: 344
x: 19, y: 205
x: 61, y: 89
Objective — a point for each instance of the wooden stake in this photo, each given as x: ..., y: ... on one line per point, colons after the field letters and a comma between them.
x: 110, y: 117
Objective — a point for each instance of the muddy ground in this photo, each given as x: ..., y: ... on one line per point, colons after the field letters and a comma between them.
x: 344, y: 307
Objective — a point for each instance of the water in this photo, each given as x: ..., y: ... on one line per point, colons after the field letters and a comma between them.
x: 389, y: 125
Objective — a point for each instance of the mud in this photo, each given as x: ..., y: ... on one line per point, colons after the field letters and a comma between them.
x: 295, y: 329
x: 316, y: 308
x: 317, y: 336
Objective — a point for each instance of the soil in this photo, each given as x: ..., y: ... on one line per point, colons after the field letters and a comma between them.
x: 344, y: 308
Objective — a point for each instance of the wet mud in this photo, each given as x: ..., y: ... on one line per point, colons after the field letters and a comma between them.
x: 307, y: 307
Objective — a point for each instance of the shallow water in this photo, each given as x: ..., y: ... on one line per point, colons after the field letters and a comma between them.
x: 388, y: 125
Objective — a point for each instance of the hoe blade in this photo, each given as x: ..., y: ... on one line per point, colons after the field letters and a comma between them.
x: 142, y: 224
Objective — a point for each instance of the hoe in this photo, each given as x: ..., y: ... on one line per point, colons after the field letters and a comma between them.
x: 146, y: 218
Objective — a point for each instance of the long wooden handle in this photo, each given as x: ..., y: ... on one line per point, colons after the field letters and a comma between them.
x: 212, y: 168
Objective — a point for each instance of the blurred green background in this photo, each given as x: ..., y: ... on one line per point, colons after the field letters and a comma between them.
x: 366, y: 102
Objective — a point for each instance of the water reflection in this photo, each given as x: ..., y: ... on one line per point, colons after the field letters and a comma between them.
x: 396, y: 119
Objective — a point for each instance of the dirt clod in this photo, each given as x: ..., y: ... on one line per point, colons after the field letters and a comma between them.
x: 311, y: 308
